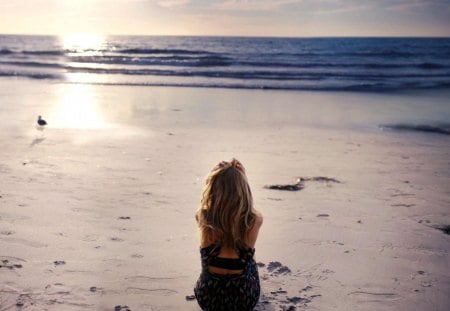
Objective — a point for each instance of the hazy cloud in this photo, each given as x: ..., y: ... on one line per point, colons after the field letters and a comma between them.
x: 229, y: 17
x: 329, y: 6
x: 311, y: 7
x: 254, y: 5
x: 172, y: 3
x: 412, y: 5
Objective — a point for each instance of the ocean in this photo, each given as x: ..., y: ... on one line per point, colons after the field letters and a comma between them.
x: 322, y: 64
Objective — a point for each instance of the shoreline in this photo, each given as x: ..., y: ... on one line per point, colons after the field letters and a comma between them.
x: 334, y: 110
x: 103, y: 216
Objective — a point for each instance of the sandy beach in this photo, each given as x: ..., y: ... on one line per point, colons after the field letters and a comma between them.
x: 97, y: 210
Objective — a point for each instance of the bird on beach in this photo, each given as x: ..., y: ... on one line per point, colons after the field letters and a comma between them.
x: 41, y: 122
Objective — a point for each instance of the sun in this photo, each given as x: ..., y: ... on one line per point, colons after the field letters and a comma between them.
x: 80, y: 42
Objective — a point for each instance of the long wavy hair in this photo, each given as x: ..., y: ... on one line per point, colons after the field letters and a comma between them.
x: 226, y: 213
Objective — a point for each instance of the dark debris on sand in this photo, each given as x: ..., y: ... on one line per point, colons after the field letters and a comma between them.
x: 443, y: 228
x: 289, y: 187
x: 300, y: 183
x: 121, y: 308
x: 320, y: 179
x: 425, y: 128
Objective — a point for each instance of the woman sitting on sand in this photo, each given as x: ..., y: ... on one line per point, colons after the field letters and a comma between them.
x: 228, y: 226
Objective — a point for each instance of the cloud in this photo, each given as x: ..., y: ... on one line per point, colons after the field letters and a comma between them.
x: 254, y: 5
x: 341, y: 7
x: 302, y: 6
x: 415, y: 5
x: 172, y: 3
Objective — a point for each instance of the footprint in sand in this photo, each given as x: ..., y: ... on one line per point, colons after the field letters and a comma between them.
x: 11, y: 263
x: 116, y: 239
x: 95, y: 289
x: 57, y: 289
x: 5, y: 263
x: 276, y: 268
x: 90, y: 238
x: 369, y: 296
x: 402, y: 205
x: 22, y: 300
x: 59, y: 262
x: 280, y: 299
x: 283, y: 301
x: 401, y: 194
x: 323, y: 215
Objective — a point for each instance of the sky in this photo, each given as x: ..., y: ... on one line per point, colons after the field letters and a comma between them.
x: 287, y: 18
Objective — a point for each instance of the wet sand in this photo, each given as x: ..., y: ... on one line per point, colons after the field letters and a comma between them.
x: 97, y: 210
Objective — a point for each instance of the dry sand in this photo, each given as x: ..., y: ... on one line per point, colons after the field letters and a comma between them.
x: 100, y: 217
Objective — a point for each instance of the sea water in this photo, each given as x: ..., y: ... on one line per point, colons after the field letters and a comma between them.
x: 356, y: 65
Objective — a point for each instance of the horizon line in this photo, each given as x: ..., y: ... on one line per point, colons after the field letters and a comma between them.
x: 237, y: 36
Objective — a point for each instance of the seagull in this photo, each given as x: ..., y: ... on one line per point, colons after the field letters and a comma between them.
x: 41, y: 121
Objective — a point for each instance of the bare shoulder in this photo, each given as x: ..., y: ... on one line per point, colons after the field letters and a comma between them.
x: 258, y: 220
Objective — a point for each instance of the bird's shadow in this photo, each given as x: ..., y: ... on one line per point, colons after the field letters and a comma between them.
x: 37, y: 141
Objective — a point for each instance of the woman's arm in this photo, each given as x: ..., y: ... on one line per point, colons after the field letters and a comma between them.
x: 253, y: 233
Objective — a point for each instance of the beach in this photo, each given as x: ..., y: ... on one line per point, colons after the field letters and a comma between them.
x: 97, y: 209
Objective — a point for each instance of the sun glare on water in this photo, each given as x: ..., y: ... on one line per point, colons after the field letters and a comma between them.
x: 79, y: 42
x: 77, y: 104
x: 83, y: 44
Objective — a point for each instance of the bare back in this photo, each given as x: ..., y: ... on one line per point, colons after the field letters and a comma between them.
x: 227, y: 252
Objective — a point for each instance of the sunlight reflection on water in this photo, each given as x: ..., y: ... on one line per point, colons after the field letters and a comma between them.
x: 77, y: 107
x: 83, y: 42
x: 82, y: 77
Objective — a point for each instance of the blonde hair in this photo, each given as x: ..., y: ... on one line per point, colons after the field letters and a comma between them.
x: 226, y: 213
